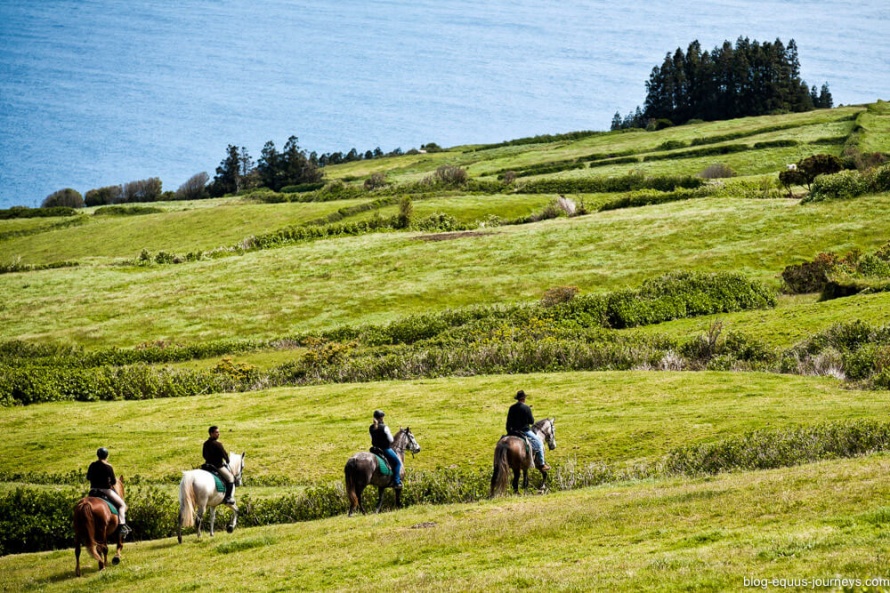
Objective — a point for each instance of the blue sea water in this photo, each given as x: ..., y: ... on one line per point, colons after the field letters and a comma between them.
x: 101, y: 92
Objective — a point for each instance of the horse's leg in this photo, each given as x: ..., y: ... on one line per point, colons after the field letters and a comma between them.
x: 516, y: 481
x: 398, y: 492
x: 361, y: 506
x: 103, y: 552
x: 380, y: 492
x: 525, y: 478
x: 199, y: 519
x: 212, y: 520
x: 76, y: 555
x: 231, y: 526
x: 120, y: 544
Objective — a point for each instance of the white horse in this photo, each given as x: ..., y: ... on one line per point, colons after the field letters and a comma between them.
x: 197, y: 492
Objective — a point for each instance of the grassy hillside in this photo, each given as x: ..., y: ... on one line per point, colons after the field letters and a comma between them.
x: 256, y: 273
x: 308, y: 433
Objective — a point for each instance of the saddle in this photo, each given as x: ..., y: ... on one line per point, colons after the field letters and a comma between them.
x: 521, y: 435
x: 212, y: 469
x: 382, y: 461
x: 104, y: 497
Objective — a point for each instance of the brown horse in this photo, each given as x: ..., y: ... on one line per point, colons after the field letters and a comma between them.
x: 511, y: 453
x: 96, y: 527
x: 363, y: 470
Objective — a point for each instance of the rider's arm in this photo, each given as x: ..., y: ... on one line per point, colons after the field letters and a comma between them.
x: 388, y: 434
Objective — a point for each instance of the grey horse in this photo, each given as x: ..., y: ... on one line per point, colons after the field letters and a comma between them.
x: 362, y: 470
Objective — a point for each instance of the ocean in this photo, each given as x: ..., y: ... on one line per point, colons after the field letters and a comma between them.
x: 101, y: 92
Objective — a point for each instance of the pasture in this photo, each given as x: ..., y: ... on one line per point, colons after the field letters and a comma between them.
x: 655, y: 531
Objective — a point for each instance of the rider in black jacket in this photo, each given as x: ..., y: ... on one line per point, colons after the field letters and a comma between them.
x: 520, y: 420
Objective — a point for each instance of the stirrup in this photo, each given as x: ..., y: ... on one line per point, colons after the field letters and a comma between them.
x: 125, y: 530
x: 544, y: 468
x: 228, y: 501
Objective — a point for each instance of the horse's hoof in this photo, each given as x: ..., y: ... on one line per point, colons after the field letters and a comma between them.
x: 115, y: 561
x: 230, y: 528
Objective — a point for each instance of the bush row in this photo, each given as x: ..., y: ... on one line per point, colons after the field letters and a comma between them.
x: 18, y: 352
x: 770, y: 449
x: 652, y: 196
x: 34, y: 519
x: 601, y: 184
x: 25, y: 212
x: 837, y: 276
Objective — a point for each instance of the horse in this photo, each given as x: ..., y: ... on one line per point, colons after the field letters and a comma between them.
x: 95, y: 527
x: 363, y: 470
x: 197, y: 493
x: 512, y: 453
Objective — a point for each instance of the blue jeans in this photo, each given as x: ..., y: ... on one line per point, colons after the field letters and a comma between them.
x: 537, y: 447
x: 396, y: 466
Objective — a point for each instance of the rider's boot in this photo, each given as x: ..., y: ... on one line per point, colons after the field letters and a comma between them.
x: 229, y: 496
x: 125, y: 530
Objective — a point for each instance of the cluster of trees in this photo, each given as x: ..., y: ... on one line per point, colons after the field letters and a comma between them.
x: 143, y: 190
x: 274, y: 169
x: 750, y: 78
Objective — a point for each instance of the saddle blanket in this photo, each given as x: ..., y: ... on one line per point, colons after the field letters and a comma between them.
x: 383, y: 465
x: 220, y: 486
x: 111, y: 506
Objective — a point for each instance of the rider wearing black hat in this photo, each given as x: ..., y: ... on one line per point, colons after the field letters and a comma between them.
x: 101, y: 477
x: 382, y: 438
x: 520, y: 420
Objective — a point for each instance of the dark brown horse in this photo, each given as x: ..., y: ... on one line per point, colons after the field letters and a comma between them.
x: 362, y: 470
x: 96, y: 527
x: 511, y: 453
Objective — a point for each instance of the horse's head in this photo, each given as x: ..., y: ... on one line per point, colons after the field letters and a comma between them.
x: 547, y: 427
x: 411, y: 444
x: 236, y: 463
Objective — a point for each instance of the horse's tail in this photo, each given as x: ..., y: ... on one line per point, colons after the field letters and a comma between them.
x: 500, y: 475
x: 186, y: 500
x: 85, y: 528
x: 349, y: 472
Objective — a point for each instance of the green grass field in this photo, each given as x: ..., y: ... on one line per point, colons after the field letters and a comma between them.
x: 817, y: 521
x: 820, y: 521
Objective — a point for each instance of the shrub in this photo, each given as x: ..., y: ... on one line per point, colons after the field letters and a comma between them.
x: 558, y: 295
x: 375, y: 181
x: 67, y: 197
x: 438, y: 222
x: 838, y: 186
x: 717, y: 171
x: 450, y: 176
x: 808, y: 277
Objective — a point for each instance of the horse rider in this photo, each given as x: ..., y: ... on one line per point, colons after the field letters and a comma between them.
x: 101, y: 477
x: 382, y: 438
x: 520, y: 420
x: 215, y: 455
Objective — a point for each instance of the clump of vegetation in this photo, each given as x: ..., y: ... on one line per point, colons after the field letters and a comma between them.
x: 717, y: 171
x: 836, y: 276
x: 805, y: 171
x: 64, y: 198
x: 849, y: 184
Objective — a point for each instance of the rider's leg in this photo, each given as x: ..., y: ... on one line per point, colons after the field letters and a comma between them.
x: 229, y: 481
x: 121, y: 509
x: 538, y: 448
x: 396, y: 467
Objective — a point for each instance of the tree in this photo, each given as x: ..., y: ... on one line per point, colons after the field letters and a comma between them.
x: 64, y: 197
x: 825, y: 101
x: 195, y: 188
x: 228, y: 173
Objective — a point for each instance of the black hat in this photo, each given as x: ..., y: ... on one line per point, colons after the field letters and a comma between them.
x: 520, y: 395
x: 102, y: 453
x: 379, y: 414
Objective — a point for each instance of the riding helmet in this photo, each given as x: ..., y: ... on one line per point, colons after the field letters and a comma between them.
x: 102, y: 453
x: 379, y: 414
